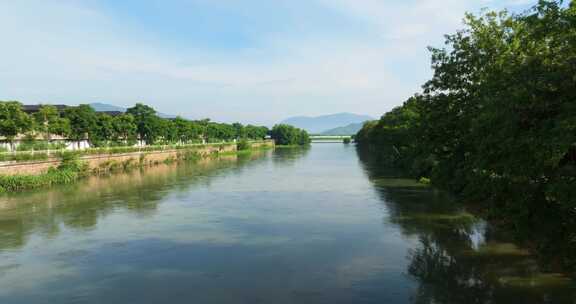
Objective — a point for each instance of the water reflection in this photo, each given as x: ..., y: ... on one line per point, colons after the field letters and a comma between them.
x: 287, y: 156
x: 79, y: 206
x: 288, y: 226
x: 460, y: 258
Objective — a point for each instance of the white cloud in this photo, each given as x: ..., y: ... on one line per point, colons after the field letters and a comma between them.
x: 67, y: 51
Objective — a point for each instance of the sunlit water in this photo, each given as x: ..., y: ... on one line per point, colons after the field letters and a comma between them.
x: 321, y: 225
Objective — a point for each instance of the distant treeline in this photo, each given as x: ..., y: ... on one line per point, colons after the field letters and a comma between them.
x: 138, y: 123
x: 496, y: 124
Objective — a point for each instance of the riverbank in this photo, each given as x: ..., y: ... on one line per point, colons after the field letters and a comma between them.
x: 68, y: 167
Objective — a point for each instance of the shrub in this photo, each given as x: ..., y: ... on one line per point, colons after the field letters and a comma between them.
x: 288, y: 135
x: 243, y: 145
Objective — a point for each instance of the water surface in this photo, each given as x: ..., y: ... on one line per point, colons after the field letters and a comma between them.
x: 318, y: 225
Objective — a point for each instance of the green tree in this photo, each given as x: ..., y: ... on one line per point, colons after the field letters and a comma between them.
x: 303, y: 138
x: 83, y: 122
x: 43, y: 119
x: 146, y: 122
x: 167, y: 130
x: 219, y: 132
x: 13, y: 121
x: 288, y: 135
x: 239, y: 131
x: 203, y: 125
x: 104, y: 131
x: 59, y: 126
x: 186, y: 131
x: 255, y: 132
x: 125, y: 129
x: 496, y: 124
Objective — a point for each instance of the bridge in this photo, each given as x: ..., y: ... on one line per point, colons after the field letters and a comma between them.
x: 329, y: 138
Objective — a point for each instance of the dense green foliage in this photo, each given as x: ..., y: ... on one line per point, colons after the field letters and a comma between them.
x: 148, y: 125
x: 289, y: 136
x: 496, y: 124
x: 83, y: 122
x: 30, y: 143
x: 13, y: 120
x: 243, y: 145
x: 103, y: 130
x: 48, y: 122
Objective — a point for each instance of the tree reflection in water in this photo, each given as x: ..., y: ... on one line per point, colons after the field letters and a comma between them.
x: 459, y: 257
x: 80, y: 206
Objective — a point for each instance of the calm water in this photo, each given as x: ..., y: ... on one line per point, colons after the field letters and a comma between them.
x: 321, y: 225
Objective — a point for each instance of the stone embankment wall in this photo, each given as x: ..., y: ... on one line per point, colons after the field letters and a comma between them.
x: 101, y: 160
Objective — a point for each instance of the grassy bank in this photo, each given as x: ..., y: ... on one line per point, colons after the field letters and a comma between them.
x: 243, y: 149
x: 69, y: 171
x: 72, y: 168
x: 46, y: 154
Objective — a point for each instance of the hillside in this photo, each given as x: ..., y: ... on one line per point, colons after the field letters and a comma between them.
x: 104, y: 107
x: 320, y: 124
x: 350, y: 129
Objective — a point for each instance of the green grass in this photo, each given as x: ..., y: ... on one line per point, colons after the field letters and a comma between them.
x: 24, y: 156
x: 243, y: 145
x: 71, y: 169
x: 43, y: 155
x: 399, y: 183
x: 536, y: 280
x: 15, y: 183
x: 456, y: 217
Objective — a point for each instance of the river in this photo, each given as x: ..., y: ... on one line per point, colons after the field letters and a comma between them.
x: 317, y: 225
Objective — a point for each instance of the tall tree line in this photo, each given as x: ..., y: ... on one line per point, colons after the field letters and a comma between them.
x: 496, y: 124
x: 139, y: 123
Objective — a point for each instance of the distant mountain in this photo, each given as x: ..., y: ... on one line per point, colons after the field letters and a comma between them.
x: 350, y: 129
x: 319, y: 124
x: 104, y: 107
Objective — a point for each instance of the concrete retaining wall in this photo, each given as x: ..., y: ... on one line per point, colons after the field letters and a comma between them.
x: 102, y: 160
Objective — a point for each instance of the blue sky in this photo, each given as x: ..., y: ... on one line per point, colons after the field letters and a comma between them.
x: 256, y: 61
